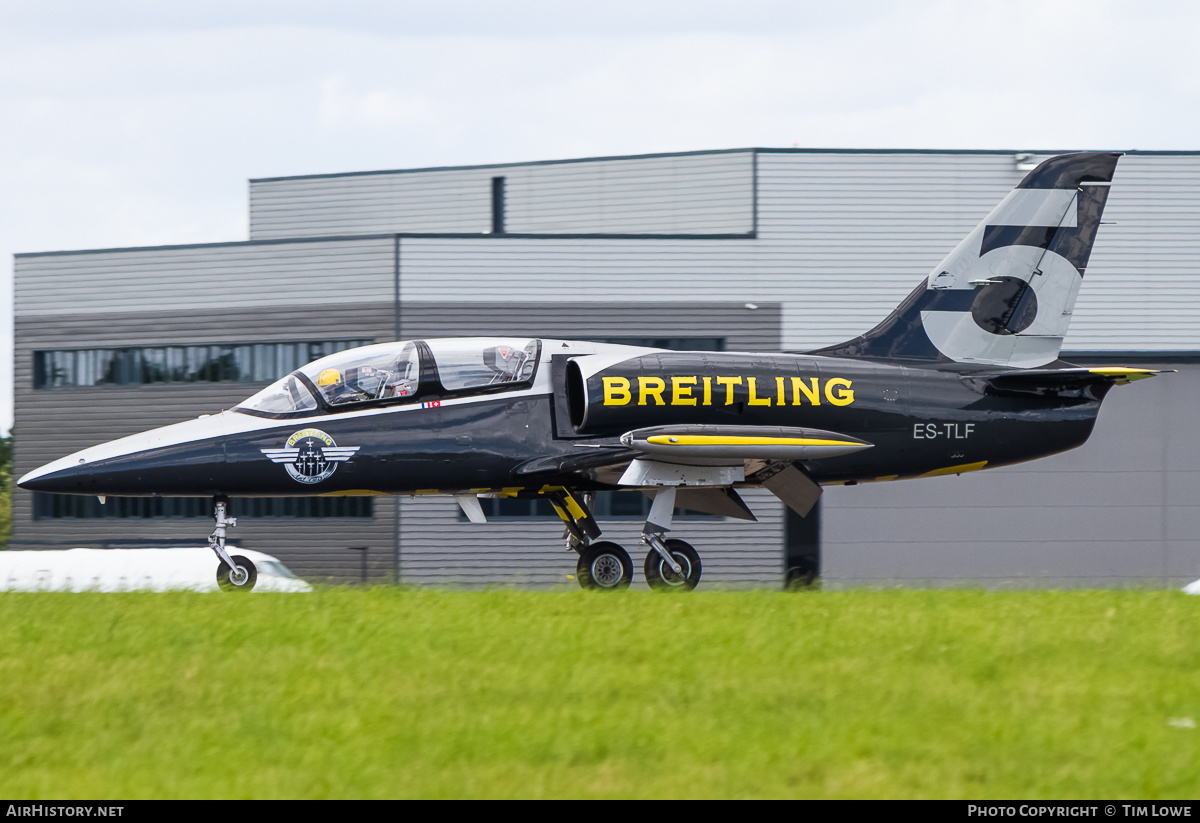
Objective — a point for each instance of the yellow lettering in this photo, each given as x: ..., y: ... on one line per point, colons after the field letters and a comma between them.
x: 754, y: 400
x: 810, y: 391
x: 780, y: 400
x: 708, y: 391
x: 681, y: 391
x: 841, y: 398
x: 651, y: 387
x: 729, y: 383
x: 616, y: 391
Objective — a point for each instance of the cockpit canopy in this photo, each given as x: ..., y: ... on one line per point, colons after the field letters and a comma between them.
x: 402, y: 372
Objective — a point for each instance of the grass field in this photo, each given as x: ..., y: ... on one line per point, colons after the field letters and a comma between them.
x: 400, y: 692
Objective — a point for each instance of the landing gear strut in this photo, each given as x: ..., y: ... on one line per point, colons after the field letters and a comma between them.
x: 604, y: 565
x: 670, y: 564
x: 236, y: 573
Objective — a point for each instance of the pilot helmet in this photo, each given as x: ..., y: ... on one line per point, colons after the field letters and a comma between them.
x: 329, y: 377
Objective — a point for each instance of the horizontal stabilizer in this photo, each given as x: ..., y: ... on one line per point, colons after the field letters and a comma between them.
x: 735, y: 443
x: 1059, y: 381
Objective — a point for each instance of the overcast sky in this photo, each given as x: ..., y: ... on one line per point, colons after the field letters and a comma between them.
x: 128, y: 123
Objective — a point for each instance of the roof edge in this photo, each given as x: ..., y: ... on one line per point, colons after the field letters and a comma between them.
x: 695, y: 153
x: 343, y: 238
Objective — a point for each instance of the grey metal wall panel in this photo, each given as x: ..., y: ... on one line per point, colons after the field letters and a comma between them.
x: 1120, y: 509
x: 206, y: 278
x: 447, y: 201
x: 743, y: 330
x: 705, y: 193
x: 693, y: 194
x: 583, y: 270
x: 1142, y: 292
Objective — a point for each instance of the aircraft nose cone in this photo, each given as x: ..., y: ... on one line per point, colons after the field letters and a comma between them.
x: 180, y: 459
x: 52, y: 477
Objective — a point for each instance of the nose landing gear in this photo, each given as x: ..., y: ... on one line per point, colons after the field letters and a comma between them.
x: 236, y: 573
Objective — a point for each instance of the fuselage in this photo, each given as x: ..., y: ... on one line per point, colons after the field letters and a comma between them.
x: 564, y: 399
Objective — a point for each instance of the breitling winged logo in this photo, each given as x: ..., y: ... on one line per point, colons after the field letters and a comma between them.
x: 310, y: 455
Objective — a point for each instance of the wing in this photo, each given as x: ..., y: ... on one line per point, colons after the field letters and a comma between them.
x: 704, y: 462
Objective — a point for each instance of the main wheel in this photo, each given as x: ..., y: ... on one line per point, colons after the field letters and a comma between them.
x: 801, y: 577
x: 225, y: 578
x: 662, y: 577
x: 604, y: 566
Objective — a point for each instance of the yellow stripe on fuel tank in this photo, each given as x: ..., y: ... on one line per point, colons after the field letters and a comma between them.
x: 723, y: 440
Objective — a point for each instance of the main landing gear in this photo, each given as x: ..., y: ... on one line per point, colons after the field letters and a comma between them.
x: 236, y: 573
x: 606, y: 566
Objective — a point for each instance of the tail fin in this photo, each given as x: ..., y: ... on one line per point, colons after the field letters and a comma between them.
x: 1005, y: 295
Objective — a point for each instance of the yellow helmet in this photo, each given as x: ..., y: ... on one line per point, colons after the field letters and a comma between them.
x: 329, y: 377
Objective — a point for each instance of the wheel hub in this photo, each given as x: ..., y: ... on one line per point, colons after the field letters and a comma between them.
x: 606, y: 570
x: 668, y: 574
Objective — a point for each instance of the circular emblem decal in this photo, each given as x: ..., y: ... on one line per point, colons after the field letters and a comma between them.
x: 311, y: 465
x: 310, y: 455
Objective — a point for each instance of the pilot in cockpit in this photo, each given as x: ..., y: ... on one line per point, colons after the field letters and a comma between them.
x: 335, y: 389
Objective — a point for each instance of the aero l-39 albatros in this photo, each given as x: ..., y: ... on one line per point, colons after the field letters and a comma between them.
x: 963, y: 375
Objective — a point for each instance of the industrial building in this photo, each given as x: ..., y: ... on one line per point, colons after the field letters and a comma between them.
x: 749, y: 249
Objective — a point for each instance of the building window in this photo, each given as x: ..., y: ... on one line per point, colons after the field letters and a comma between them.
x: 497, y: 205
x: 218, y: 363
x: 48, y: 506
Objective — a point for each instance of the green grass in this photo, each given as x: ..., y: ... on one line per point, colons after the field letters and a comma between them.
x: 399, y: 692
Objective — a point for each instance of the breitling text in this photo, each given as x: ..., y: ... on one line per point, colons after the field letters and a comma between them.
x: 727, y: 391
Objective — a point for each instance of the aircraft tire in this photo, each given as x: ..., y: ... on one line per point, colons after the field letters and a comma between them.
x: 661, y: 577
x: 604, y: 566
x: 228, y: 585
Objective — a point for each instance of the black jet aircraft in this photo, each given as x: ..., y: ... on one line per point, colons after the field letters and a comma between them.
x: 963, y: 375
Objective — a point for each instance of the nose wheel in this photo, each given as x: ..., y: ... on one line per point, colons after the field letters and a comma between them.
x: 234, y: 574
x: 240, y: 578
